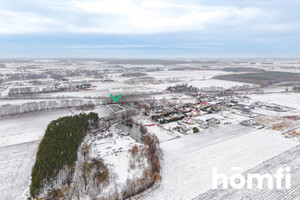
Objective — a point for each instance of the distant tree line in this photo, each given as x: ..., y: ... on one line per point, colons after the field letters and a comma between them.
x: 265, y: 78
x: 133, y: 74
x: 8, y: 110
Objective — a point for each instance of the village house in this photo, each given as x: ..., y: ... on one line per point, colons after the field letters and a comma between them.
x: 195, y: 113
x: 188, y: 120
x: 213, y: 122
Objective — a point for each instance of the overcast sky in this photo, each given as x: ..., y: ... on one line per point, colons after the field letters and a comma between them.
x: 147, y: 28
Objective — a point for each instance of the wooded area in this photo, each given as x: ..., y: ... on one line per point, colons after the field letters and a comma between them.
x: 59, y: 148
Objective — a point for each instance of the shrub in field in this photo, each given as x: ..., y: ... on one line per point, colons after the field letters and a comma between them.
x: 134, y: 150
x: 195, y: 130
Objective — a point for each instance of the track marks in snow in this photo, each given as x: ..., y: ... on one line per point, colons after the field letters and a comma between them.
x: 16, y: 163
x: 290, y: 158
x: 188, y: 161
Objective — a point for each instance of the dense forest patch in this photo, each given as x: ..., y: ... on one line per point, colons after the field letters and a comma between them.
x: 58, y: 148
x: 262, y: 78
x: 242, y: 69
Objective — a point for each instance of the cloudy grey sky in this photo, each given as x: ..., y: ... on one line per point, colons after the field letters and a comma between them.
x: 147, y: 28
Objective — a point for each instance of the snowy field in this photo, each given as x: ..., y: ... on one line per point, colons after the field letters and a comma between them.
x: 290, y: 158
x: 284, y: 99
x: 27, y: 128
x: 198, y: 79
x: 187, y: 75
x: 178, y: 76
x: 107, y: 86
x: 217, y: 83
x: 162, y: 86
x: 198, y: 83
x: 16, y: 162
x: 99, y: 92
x: 188, y: 161
x: 273, y: 88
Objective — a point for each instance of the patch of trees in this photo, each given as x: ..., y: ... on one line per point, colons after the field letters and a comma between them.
x: 150, y: 175
x: 242, y: 69
x: 8, y: 110
x: 262, y: 78
x: 28, y: 76
x: 134, y: 74
x: 90, y: 106
x: 58, y: 149
x: 143, y: 129
x: 296, y: 89
x: 137, y: 186
x: 36, y: 82
x: 174, y: 119
x: 35, y: 90
x: 56, y: 76
x: 95, y: 169
x: 84, y: 86
x: 195, y: 130
x: 153, y: 154
x: 182, y: 88
x: 162, y: 118
x: 155, y: 117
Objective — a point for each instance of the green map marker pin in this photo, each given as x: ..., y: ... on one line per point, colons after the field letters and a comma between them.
x: 116, y: 98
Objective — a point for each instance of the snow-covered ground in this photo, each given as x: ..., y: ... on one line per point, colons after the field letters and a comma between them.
x: 283, y: 99
x: 217, y: 83
x: 115, y: 153
x: 27, y: 128
x: 186, y: 75
x: 16, y: 162
x: 164, y: 133
x: 224, y: 116
x: 188, y: 161
x: 290, y: 158
x: 162, y: 86
x: 198, y: 79
x: 198, y: 83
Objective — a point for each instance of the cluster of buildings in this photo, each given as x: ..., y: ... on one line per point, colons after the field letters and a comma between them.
x: 186, y: 115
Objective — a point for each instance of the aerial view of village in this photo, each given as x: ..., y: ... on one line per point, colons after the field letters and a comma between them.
x: 174, y: 122
x: 149, y: 100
